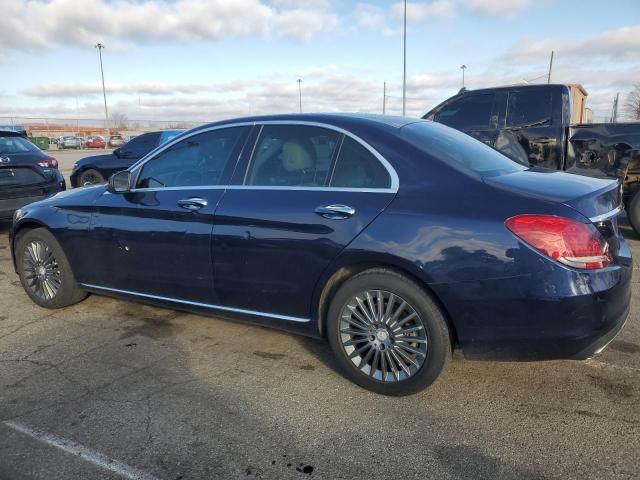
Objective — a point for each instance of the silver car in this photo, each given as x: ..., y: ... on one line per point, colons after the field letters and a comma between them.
x: 69, y: 142
x: 115, y: 141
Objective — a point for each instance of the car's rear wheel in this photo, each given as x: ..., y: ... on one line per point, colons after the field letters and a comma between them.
x: 90, y: 177
x: 633, y: 211
x: 44, y: 270
x: 388, y: 335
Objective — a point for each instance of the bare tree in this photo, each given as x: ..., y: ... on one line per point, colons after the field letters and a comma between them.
x: 119, y: 120
x: 633, y: 103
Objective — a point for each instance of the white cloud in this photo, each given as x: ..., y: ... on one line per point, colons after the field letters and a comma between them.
x: 420, y: 12
x: 615, y: 45
x: 499, y: 8
x: 368, y: 16
x: 38, y: 23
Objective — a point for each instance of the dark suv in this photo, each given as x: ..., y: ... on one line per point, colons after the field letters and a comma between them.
x: 27, y: 173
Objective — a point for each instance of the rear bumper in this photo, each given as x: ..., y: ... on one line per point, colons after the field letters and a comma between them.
x: 558, y: 314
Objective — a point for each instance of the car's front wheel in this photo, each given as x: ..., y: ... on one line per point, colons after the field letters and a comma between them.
x: 388, y: 335
x: 44, y: 270
x: 90, y: 177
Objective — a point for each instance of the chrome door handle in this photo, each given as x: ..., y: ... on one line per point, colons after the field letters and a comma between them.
x: 335, y: 212
x: 193, y: 203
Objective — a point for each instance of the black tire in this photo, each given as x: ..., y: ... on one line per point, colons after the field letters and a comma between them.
x: 68, y: 292
x: 438, y: 338
x: 90, y: 176
x: 633, y: 212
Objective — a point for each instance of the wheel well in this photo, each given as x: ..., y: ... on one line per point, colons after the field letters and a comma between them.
x: 344, y: 273
x: 24, y: 227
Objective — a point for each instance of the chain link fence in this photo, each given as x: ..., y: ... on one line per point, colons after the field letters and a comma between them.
x: 85, y: 127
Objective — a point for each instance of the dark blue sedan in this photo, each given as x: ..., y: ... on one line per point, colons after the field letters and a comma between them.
x: 395, y: 239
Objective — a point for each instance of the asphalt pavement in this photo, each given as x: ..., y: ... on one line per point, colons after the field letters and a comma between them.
x: 115, y: 389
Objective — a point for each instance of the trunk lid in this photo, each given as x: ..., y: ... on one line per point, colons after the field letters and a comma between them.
x: 592, y: 197
x: 21, y: 179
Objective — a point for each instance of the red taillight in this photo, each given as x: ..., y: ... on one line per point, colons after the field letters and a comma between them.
x: 48, y: 162
x: 570, y: 242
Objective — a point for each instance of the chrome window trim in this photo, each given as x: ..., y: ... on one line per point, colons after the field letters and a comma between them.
x: 395, y: 182
x: 198, y: 304
x: 136, y: 167
x: 606, y: 216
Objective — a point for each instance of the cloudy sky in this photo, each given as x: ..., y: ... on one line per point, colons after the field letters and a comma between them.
x: 211, y: 59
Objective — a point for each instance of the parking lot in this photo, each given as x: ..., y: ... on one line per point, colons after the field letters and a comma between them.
x: 113, y: 389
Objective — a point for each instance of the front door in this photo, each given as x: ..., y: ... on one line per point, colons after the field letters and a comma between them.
x: 306, y: 193
x: 156, y: 239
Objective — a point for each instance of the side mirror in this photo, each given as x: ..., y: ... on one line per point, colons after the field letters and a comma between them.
x: 120, y: 182
x: 117, y: 152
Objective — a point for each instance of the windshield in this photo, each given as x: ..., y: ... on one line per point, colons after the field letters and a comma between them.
x: 15, y: 144
x: 458, y: 149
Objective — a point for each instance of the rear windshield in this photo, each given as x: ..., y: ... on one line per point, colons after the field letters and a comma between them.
x: 16, y: 144
x: 458, y: 149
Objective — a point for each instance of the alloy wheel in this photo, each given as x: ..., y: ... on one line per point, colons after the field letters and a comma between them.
x: 41, y: 270
x: 383, y: 336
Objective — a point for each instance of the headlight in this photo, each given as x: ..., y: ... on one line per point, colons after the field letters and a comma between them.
x: 74, y: 168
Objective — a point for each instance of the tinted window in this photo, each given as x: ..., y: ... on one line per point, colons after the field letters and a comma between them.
x: 471, y: 111
x: 458, y: 149
x: 195, y: 161
x: 138, y: 147
x: 292, y: 155
x: 16, y: 144
x: 356, y: 167
x: 166, y: 136
x: 528, y: 107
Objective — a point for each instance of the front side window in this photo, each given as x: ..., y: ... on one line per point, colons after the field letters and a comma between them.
x: 529, y: 107
x: 292, y: 155
x: 195, y: 161
x: 357, y: 167
x: 471, y: 111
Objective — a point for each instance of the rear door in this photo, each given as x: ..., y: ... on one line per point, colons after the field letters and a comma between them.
x: 155, y: 240
x: 305, y: 192
x: 532, y: 136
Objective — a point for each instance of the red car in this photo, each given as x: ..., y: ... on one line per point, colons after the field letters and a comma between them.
x: 95, y: 142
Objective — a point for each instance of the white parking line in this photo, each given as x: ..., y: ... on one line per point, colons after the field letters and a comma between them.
x: 83, y: 452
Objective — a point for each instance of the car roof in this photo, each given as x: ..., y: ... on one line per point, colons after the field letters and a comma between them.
x: 344, y: 120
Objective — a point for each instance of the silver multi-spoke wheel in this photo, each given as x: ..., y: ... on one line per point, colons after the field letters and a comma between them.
x: 41, y: 270
x: 383, y: 335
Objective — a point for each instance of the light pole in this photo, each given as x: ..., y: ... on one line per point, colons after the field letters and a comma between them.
x: 100, y: 46
x: 463, y: 68
x: 404, y: 67
x: 300, y: 93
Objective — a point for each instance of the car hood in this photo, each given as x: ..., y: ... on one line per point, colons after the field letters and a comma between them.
x: 95, y: 159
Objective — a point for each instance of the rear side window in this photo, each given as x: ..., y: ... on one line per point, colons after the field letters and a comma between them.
x: 529, y: 107
x: 16, y: 144
x: 293, y: 156
x: 458, y: 149
x: 471, y: 111
x: 357, y: 167
x: 195, y: 161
